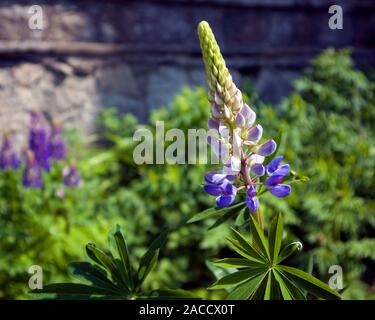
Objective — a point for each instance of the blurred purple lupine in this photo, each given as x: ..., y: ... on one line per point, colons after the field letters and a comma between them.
x: 57, y: 148
x: 8, y: 156
x: 32, y: 177
x: 71, y: 176
x: 39, y: 140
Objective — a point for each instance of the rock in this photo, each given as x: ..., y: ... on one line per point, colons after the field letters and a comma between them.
x: 163, y: 84
x: 27, y: 74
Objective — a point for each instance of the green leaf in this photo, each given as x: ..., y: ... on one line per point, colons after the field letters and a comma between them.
x: 124, y: 255
x: 150, y: 258
x: 283, y: 288
x: 267, y: 293
x: 159, y: 240
x: 245, y: 249
x: 275, y: 237
x: 91, y: 273
x: 236, y: 278
x: 309, y: 265
x: 275, y: 287
x: 260, y: 290
x: 227, y: 215
x: 289, y: 290
x: 218, y: 271
x: 212, y: 212
x: 289, y: 250
x: 236, y: 263
x: 146, y: 265
x: 259, y: 237
x: 246, y: 289
x: 75, y: 289
x: 242, y: 217
x: 310, y: 283
x: 107, y: 262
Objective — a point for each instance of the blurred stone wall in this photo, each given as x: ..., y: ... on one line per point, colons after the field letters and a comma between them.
x: 136, y: 55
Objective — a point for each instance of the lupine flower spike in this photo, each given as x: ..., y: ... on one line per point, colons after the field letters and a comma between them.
x: 57, y: 147
x: 71, y: 176
x: 238, y: 141
x: 32, y: 176
x: 8, y: 156
x: 38, y: 140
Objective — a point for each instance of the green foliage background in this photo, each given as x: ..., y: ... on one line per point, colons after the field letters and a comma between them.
x: 328, y: 130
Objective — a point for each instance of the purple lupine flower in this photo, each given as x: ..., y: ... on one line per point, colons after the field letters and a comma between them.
x: 57, y: 147
x: 71, y: 176
x: 32, y: 177
x: 38, y: 140
x: 238, y: 136
x: 266, y: 148
x: 257, y: 169
x: 218, y: 184
x: 277, y: 173
x: 252, y: 200
x: 8, y: 156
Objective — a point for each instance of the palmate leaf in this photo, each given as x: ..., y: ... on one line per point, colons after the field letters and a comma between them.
x: 261, y: 276
x: 113, y: 278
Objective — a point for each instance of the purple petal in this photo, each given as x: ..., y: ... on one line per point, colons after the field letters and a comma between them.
x: 215, y: 177
x: 215, y: 112
x: 274, y: 164
x: 229, y: 188
x: 251, y: 192
x: 225, y: 200
x: 240, y: 120
x: 273, y: 180
x: 237, y: 101
x: 258, y: 169
x: 252, y: 204
x: 255, y: 133
x: 280, y: 191
x: 266, y: 148
x: 245, y: 111
x: 213, y: 124
x: 282, y: 171
x: 213, y: 190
